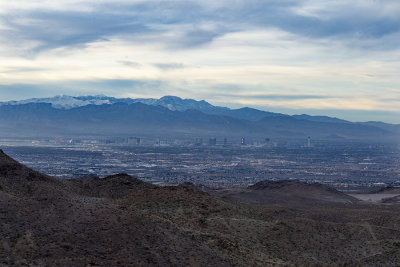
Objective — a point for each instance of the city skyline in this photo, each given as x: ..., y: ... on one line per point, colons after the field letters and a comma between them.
x: 318, y: 57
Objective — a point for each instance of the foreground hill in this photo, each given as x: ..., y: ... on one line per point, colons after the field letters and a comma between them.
x: 388, y: 190
x: 289, y: 192
x: 122, y: 221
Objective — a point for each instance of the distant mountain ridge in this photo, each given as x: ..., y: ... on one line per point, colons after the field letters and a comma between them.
x: 68, y: 102
x: 175, y: 103
x: 172, y: 103
x: 63, y: 101
x: 172, y: 116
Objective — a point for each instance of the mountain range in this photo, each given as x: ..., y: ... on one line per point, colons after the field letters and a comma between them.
x: 172, y: 116
x: 172, y: 103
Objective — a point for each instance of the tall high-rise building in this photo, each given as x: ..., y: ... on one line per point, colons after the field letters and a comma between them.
x: 212, y: 141
x: 198, y: 141
x: 133, y: 140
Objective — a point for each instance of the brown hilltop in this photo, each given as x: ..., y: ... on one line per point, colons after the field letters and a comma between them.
x: 395, y: 199
x: 118, y: 220
x: 312, y: 191
x: 113, y: 186
x: 122, y: 221
x: 388, y: 190
x: 286, y: 191
x: 15, y: 173
x: 20, y: 180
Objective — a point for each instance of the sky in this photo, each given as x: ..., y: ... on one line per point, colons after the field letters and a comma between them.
x: 338, y: 58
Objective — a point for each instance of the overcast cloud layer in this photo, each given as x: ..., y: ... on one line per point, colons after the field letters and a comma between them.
x: 314, y: 56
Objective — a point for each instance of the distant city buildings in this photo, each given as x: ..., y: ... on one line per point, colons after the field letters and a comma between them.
x: 198, y: 141
x: 133, y: 140
x: 212, y: 141
x: 172, y: 161
x: 168, y: 141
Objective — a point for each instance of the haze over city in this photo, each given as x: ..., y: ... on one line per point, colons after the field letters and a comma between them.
x: 335, y: 58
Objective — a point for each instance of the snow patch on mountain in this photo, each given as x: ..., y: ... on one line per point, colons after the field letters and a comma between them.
x: 61, y: 101
x: 173, y: 103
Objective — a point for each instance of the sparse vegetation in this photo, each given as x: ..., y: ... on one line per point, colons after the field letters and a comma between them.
x: 121, y: 221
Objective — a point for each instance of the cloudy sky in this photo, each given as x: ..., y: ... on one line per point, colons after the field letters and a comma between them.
x: 339, y: 58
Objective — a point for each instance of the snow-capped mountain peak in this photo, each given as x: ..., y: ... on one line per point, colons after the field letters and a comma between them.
x: 61, y: 101
x: 67, y: 102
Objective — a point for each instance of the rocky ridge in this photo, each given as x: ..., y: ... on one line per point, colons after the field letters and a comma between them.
x: 122, y: 221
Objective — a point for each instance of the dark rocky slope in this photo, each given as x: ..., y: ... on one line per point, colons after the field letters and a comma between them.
x: 121, y: 221
x: 289, y: 192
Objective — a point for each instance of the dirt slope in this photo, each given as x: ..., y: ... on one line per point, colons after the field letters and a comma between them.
x: 122, y: 221
x: 290, y: 192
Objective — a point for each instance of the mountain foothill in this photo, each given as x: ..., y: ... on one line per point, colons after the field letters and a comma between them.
x: 120, y: 220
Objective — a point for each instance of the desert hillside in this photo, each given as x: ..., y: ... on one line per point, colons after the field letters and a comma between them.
x: 122, y: 221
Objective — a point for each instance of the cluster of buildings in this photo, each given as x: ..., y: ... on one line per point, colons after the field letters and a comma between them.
x: 344, y: 166
x: 212, y: 141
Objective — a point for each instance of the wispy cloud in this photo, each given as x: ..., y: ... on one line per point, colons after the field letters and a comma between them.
x: 263, y: 96
x: 129, y: 63
x: 64, y: 24
x: 169, y: 66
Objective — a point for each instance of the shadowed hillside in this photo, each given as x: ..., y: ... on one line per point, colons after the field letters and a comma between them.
x: 293, y: 192
x: 122, y: 221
